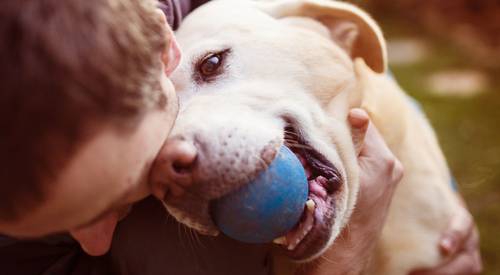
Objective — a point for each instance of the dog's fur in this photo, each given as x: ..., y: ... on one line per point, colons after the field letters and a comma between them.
x: 306, y: 62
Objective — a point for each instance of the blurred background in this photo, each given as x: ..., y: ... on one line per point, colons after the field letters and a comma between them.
x: 446, y: 54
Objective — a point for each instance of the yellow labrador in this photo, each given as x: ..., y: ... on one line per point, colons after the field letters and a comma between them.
x: 259, y: 74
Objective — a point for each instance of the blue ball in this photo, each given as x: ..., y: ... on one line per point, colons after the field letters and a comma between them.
x: 267, y: 207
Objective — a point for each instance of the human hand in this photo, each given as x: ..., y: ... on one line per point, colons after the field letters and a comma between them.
x: 460, y: 247
x: 380, y: 173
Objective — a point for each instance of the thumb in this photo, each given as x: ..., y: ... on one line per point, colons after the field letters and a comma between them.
x: 359, y: 121
x: 459, y: 229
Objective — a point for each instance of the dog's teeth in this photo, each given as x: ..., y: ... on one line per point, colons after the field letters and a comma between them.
x: 293, y: 245
x: 321, y: 180
x: 280, y: 240
x: 310, y: 204
x: 308, y: 172
x: 309, y: 228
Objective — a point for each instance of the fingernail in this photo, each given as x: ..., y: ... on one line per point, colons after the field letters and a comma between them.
x: 448, y: 245
x: 358, y: 113
x: 358, y: 117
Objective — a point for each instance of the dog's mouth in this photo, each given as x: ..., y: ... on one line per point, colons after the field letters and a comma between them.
x: 313, y: 231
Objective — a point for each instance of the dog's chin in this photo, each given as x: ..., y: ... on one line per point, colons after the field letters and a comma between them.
x: 312, y: 235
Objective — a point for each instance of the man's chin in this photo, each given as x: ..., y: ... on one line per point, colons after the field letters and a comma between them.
x: 95, y: 239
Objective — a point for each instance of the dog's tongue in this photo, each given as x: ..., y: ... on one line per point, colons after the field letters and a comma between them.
x: 95, y: 239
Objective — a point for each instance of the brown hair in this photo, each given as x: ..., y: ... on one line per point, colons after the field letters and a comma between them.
x: 64, y: 64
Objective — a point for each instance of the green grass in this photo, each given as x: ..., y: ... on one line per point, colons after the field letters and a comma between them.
x: 469, y: 133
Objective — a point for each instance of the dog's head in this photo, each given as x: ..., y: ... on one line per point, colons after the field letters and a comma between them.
x: 259, y: 74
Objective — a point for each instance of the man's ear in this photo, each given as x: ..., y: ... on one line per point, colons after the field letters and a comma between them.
x: 171, y: 54
x: 350, y: 27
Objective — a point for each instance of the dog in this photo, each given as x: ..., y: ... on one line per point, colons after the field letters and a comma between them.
x: 260, y: 74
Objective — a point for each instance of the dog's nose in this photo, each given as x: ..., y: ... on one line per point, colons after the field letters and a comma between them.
x: 173, y: 170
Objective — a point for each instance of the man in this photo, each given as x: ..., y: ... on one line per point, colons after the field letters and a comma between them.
x: 86, y: 106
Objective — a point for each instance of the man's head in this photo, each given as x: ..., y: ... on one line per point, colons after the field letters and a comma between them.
x: 84, y: 109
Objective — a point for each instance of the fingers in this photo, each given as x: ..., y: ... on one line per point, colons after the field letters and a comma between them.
x: 380, y: 170
x: 466, y: 262
x: 465, y: 258
x: 365, y: 136
x: 458, y: 232
x: 359, y: 121
x: 397, y: 170
x: 378, y: 164
x: 374, y: 145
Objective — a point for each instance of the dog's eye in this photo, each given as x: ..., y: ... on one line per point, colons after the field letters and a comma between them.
x: 211, y: 66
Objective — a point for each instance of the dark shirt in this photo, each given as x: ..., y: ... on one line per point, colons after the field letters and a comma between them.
x: 150, y: 241
x: 147, y: 242
x: 175, y: 10
x: 49, y: 256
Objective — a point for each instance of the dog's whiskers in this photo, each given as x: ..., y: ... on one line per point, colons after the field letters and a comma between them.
x: 196, y: 237
x: 188, y: 236
x: 261, y: 161
x: 329, y: 260
x: 291, y: 133
x: 181, y: 234
x: 297, y: 145
x: 291, y: 141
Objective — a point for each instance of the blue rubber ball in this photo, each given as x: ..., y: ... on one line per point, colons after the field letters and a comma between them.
x: 267, y: 207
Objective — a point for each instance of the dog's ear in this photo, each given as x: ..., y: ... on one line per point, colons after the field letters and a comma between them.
x: 350, y: 27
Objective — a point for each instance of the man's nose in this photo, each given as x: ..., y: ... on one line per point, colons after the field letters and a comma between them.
x: 174, y: 168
